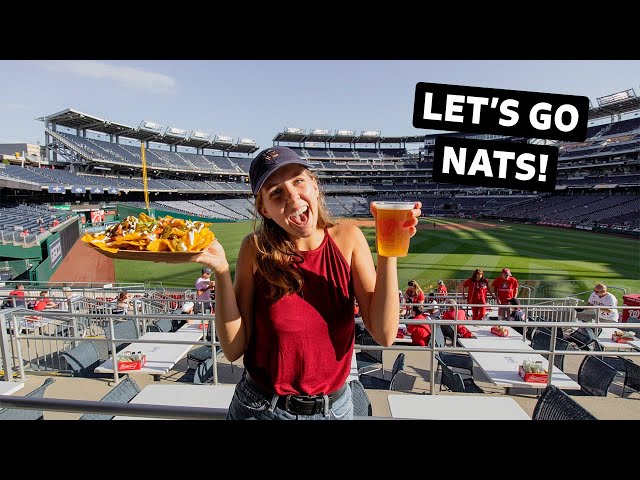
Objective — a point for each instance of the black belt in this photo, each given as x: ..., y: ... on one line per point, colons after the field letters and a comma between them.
x: 301, y: 404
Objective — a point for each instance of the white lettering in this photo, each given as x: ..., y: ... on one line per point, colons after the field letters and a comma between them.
x: 481, y: 163
x: 545, y: 118
x: 428, y: 102
x: 453, y: 107
x: 511, y: 114
x: 522, y: 164
x: 450, y: 158
x: 573, y: 112
x: 503, y: 156
x: 477, y: 103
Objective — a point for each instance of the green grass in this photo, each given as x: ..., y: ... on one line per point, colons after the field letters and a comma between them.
x: 555, y: 260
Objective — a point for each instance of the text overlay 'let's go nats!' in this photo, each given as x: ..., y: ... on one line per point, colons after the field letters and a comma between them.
x: 512, y: 113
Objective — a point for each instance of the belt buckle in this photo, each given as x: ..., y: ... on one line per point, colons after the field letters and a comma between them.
x: 324, y: 400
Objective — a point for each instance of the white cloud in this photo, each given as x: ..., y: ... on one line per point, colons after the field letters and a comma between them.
x: 129, y: 77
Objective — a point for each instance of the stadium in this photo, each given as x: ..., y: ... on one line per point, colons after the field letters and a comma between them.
x: 89, y: 173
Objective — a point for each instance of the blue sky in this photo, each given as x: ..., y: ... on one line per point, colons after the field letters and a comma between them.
x: 258, y: 98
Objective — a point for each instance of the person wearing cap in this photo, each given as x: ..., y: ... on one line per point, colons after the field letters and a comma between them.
x: 505, y: 287
x: 204, y: 286
x: 441, y: 291
x: 290, y: 313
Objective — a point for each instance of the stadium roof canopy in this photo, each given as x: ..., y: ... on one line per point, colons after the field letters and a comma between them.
x: 77, y: 120
x: 615, y: 104
x: 73, y: 119
x: 342, y: 136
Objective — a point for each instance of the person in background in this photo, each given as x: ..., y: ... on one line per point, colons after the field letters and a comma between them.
x: 454, y: 312
x: 122, y: 303
x: 600, y: 297
x: 289, y: 314
x: 516, y: 314
x: 413, y: 294
x: 204, y: 285
x: 44, y: 302
x: 505, y: 287
x: 420, y: 333
x: 476, y: 289
x: 69, y: 297
x: 441, y: 291
x: 404, y: 310
x: 187, y: 308
x: 18, y: 295
x: 432, y: 309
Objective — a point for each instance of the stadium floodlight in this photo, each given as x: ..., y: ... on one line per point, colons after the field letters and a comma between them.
x: 176, y: 132
x: 370, y: 133
x: 223, y: 139
x: 319, y: 131
x: 345, y: 133
x: 616, y: 97
x: 152, y: 126
x: 293, y: 130
x: 200, y: 135
x: 247, y: 141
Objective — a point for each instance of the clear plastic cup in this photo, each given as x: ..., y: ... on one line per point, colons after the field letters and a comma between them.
x: 392, y: 232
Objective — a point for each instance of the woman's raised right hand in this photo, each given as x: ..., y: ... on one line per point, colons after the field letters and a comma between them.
x: 214, y: 257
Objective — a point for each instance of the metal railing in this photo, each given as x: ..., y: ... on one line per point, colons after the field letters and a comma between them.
x: 14, y: 335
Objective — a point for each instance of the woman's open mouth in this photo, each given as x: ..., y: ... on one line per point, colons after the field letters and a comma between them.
x: 300, y: 217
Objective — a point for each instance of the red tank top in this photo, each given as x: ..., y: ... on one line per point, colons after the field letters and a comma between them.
x: 302, y: 344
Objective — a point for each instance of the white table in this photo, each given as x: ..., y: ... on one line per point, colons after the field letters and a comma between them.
x: 161, y: 357
x: 604, y: 339
x: 502, y: 368
x: 455, y: 407
x: 212, y: 396
x: 7, y: 388
x: 484, y: 332
x: 192, y: 327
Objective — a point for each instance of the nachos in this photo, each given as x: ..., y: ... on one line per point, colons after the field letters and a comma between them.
x: 145, y: 233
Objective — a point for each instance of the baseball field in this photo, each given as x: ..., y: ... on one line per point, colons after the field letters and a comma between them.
x: 555, y: 261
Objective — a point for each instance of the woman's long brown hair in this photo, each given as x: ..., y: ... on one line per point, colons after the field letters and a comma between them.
x: 276, y: 254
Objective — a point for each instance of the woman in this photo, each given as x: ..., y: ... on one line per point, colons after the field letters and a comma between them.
x: 414, y: 294
x: 122, y: 305
x: 290, y: 310
x: 476, y: 288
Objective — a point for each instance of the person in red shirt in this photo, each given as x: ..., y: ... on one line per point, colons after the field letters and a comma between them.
x: 441, y: 291
x: 505, y: 287
x: 454, y: 313
x: 476, y: 289
x: 420, y: 334
x: 44, y: 302
x: 413, y: 294
x: 290, y: 312
x: 18, y: 295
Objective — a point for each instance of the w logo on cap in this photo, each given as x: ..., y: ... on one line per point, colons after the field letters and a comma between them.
x: 270, y: 156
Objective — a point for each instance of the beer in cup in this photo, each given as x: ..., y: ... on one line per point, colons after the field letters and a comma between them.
x: 392, y: 232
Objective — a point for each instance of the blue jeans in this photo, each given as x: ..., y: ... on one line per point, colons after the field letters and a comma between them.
x: 248, y: 403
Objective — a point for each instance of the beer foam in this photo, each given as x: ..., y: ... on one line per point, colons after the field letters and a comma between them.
x: 394, y: 205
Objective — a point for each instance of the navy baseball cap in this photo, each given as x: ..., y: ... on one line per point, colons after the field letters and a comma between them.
x: 268, y: 161
x: 206, y: 270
